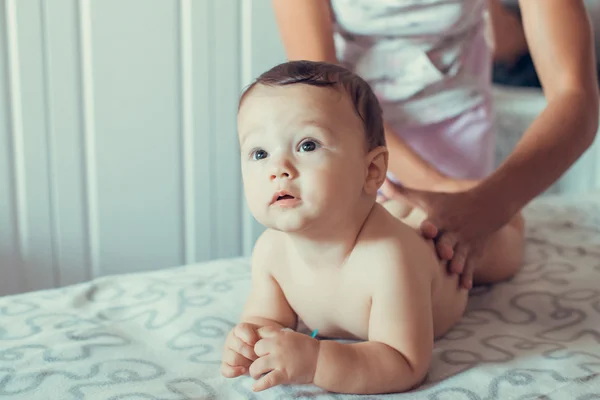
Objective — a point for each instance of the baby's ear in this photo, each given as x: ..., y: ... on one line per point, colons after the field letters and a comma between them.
x: 376, y: 163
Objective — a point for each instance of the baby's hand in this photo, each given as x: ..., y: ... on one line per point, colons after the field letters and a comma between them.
x: 285, y: 357
x: 238, y: 352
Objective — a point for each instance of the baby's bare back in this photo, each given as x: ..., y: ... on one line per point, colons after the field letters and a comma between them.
x: 336, y: 300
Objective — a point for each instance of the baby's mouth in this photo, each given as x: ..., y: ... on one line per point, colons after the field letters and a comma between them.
x: 285, y: 197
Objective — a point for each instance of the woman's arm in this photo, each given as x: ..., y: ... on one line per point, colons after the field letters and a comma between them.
x: 508, y: 34
x: 561, y: 44
x: 306, y: 30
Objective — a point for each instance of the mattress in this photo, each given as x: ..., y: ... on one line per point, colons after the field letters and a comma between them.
x: 159, y: 335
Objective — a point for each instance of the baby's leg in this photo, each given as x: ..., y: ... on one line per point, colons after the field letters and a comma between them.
x: 503, y: 254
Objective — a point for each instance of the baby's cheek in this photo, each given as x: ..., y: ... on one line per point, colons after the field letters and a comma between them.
x: 254, y: 199
x: 348, y: 177
x: 331, y: 192
x: 322, y: 182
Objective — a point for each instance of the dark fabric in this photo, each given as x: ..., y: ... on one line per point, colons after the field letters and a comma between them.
x: 522, y: 73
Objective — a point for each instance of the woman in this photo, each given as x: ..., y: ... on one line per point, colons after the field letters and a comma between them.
x: 430, y: 64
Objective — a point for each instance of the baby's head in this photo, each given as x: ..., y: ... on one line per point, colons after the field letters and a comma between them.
x: 312, y: 145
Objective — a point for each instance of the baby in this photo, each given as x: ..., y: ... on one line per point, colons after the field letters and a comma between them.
x: 313, y: 157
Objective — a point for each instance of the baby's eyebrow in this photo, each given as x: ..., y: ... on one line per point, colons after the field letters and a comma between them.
x: 247, y: 133
x: 316, y: 124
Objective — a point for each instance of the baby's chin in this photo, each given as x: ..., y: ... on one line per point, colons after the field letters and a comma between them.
x: 289, y: 223
x: 288, y: 226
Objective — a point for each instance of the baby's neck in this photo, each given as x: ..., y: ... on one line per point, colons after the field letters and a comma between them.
x: 331, y: 245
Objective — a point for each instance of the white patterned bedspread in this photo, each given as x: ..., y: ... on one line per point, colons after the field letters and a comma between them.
x: 159, y: 335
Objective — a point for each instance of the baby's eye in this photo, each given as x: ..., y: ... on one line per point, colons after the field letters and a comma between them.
x: 259, y: 154
x: 309, y: 145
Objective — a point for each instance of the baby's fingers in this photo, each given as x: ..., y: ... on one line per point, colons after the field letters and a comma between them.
x: 239, y: 346
x: 229, y: 371
x: 234, y: 364
x: 246, y: 332
x: 273, y: 378
x: 235, y: 359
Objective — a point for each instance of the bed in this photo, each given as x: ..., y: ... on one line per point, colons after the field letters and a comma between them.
x: 158, y: 335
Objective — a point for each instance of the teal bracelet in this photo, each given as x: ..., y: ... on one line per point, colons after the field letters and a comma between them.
x: 314, y: 333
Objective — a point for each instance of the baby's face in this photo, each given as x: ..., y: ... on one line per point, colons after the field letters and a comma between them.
x: 303, y: 155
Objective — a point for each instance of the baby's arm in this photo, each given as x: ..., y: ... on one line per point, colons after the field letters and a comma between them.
x: 266, y: 305
x: 397, y: 356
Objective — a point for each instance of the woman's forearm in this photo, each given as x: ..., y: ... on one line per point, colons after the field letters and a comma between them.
x: 365, y: 368
x: 561, y: 44
x: 556, y: 139
x: 306, y: 29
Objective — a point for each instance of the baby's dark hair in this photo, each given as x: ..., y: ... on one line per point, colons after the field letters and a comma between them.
x: 325, y: 74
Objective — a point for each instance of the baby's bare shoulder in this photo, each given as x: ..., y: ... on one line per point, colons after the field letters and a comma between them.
x: 268, y: 247
x: 390, y: 246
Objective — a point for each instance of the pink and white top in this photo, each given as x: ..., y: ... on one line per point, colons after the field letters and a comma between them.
x: 429, y: 63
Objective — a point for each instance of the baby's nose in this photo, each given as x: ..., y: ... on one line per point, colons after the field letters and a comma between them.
x: 280, y: 175
x: 282, y: 170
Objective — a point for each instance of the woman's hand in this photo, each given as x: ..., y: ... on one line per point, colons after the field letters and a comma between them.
x: 455, y: 185
x: 459, y: 220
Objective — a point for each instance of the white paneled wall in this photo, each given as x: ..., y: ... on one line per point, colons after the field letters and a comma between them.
x: 118, y: 146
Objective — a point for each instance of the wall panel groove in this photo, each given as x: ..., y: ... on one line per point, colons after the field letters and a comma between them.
x: 212, y: 125
x: 50, y: 151
x: 89, y: 160
x: 203, y: 113
x: 10, y: 262
x: 81, y: 162
x: 16, y: 129
x: 187, y: 131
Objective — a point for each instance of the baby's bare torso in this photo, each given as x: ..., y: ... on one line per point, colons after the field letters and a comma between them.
x: 336, y: 300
